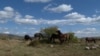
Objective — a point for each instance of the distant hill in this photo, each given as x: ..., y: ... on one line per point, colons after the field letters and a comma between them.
x: 10, y: 36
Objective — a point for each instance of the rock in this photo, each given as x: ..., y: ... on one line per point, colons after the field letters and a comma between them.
x: 51, y: 46
x: 93, y: 47
x: 87, y: 48
x: 96, y: 46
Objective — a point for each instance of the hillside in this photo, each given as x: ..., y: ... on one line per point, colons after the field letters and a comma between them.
x: 20, y: 48
x: 15, y: 47
x: 10, y: 36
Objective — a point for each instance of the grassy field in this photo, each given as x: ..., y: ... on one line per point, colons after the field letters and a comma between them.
x: 20, y: 48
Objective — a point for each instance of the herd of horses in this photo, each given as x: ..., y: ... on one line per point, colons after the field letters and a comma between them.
x: 58, y: 35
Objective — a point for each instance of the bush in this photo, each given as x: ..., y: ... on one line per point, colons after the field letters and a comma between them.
x: 74, y: 40
x: 4, y: 38
x: 34, y: 43
x: 48, y: 31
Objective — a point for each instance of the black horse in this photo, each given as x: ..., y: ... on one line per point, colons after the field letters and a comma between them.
x: 27, y: 37
x: 89, y: 40
x: 38, y: 36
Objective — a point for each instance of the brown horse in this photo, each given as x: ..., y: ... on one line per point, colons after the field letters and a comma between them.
x: 89, y: 40
x: 61, y: 37
x: 66, y: 37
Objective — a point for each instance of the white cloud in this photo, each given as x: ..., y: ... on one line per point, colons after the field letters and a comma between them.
x: 59, y: 9
x: 0, y: 28
x: 74, y: 15
x: 88, y: 32
x: 24, y: 20
x: 4, y: 28
x: 97, y: 11
x: 55, y: 22
x: 27, y: 19
x: 10, y: 9
x: 71, y: 18
x: 17, y: 33
x: 6, y: 13
x: 77, y: 18
x: 6, y: 32
x: 29, y: 28
x: 20, y: 33
x: 33, y: 1
x: 3, y: 21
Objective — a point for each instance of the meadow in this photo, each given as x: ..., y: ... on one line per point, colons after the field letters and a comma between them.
x: 15, y: 47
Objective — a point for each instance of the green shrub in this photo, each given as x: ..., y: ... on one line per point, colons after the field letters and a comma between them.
x: 4, y: 38
x: 74, y: 39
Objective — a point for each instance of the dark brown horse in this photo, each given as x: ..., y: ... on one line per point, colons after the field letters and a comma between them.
x: 61, y: 37
x: 89, y: 40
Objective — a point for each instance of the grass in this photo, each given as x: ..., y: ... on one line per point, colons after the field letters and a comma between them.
x: 20, y: 48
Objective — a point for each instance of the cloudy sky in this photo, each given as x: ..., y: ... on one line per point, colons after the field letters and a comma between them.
x: 29, y: 16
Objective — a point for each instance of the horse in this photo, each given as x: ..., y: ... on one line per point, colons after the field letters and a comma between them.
x: 27, y: 37
x: 38, y: 36
x: 61, y: 37
x: 66, y: 37
x: 89, y: 40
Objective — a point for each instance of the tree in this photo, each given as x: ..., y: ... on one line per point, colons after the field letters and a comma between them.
x: 73, y: 38
x: 49, y: 30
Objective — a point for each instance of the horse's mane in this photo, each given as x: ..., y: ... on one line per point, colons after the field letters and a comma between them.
x: 59, y: 32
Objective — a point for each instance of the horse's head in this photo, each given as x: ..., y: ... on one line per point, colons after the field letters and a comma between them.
x: 27, y: 37
x: 59, y: 32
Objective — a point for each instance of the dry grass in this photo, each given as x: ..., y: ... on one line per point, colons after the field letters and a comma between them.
x: 20, y: 48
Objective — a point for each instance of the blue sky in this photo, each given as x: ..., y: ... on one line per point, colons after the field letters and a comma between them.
x: 22, y: 17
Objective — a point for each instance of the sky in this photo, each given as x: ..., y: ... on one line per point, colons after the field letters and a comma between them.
x: 22, y: 17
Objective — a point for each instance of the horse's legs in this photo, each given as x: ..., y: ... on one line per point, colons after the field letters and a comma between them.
x: 53, y: 39
x: 39, y: 38
x: 94, y: 41
x: 67, y: 39
x: 61, y: 41
x: 50, y: 39
x: 86, y: 41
